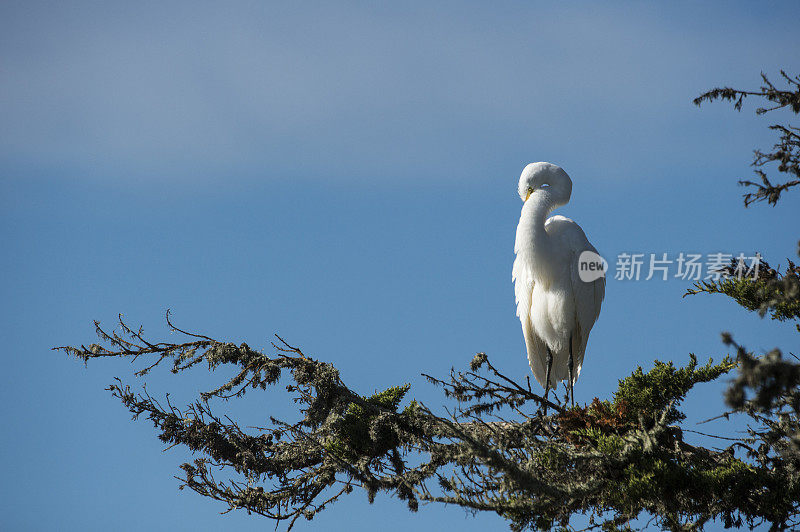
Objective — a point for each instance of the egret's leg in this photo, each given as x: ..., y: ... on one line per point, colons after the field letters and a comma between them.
x: 571, y: 366
x: 547, y: 376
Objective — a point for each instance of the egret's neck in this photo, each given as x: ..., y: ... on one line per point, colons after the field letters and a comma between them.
x: 532, y: 240
x: 534, y: 214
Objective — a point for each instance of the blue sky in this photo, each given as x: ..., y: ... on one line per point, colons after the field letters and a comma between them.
x: 345, y: 176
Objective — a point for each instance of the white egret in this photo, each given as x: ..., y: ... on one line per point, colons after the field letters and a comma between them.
x: 556, y: 308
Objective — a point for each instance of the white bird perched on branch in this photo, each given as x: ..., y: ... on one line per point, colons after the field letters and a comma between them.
x: 556, y: 308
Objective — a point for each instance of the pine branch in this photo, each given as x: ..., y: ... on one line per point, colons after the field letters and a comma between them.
x: 763, y: 289
x: 786, y: 152
x: 494, y: 451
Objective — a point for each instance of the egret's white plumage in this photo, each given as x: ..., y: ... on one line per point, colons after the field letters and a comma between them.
x: 554, y: 305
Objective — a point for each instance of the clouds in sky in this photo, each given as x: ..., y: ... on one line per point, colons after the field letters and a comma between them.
x: 190, y: 90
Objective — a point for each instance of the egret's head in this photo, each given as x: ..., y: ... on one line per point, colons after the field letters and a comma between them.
x: 545, y: 178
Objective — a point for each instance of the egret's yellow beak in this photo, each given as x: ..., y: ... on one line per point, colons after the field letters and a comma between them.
x: 528, y: 195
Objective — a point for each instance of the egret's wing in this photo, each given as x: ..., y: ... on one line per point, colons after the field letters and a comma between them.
x: 588, y: 297
x: 522, y: 275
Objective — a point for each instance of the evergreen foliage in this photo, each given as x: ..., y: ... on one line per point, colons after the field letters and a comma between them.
x: 786, y: 152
